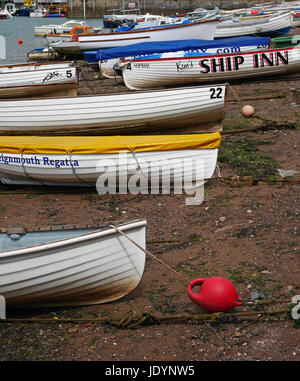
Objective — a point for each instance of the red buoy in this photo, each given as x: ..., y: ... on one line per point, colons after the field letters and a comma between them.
x: 216, y: 294
x: 20, y: 41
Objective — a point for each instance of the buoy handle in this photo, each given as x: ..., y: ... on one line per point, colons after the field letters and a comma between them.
x: 195, y: 282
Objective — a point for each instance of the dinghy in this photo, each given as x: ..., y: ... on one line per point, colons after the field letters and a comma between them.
x: 114, y: 164
x: 148, y: 111
x: 204, y: 30
x: 24, y: 80
x: 275, y: 25
x: 70, y: 265
x: 42, y: 30
x: 154, y: 71
x: 107, y: 58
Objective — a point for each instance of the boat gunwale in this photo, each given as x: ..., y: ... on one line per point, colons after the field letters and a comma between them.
x: 100, y: 233
x: 28, y: 64
x: 129, y: 93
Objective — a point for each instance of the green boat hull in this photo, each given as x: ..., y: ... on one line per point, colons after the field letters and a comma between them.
x: 287, y: 41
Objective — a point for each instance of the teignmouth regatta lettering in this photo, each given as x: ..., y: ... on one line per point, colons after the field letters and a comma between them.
x: 234, y: 63
x: 34, y: 160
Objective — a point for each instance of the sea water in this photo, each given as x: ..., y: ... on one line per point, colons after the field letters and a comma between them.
x: 22, y: 28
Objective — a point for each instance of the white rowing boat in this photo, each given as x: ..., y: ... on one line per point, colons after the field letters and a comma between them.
x: 153, y: 71
x: 43, y: 30
x: 115, y: 164
x: 57, y: 79
x: 275, y: 25
x: 70, y: 266
x: 109, y: 59
x: 204, y: 30
x: 147, y: 111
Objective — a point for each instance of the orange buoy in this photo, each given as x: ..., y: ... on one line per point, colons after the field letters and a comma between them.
x: 20, y: 41
x: 248, y: 110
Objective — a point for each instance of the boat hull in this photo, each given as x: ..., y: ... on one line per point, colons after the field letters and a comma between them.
x: 158, y: 110
x: 90, y: 268
x: 204, y: 30
x: 151, y: 73
x: 273, y: 26
x: 107, y: 67
x: 59, y: 79
x: 154, y: 160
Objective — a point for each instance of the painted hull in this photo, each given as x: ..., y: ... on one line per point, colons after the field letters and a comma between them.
x: 272, y: 26
x: 84, y: 268
x: 43, y: 30
x: 26, y: 80
x: 156, y: 110
x: 204, y: 30
x: 60, y: 37
x: 192, y: 157
x: 152, y: 73
x: 106, y: 67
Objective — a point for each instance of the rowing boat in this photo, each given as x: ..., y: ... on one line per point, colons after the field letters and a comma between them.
x: 70, y: 265
x: 114, y: 164
x: 107, y: 58
x: 154, y: 71
x: 156, y: 110
x: 275, y: 25
x: 24, y: 80
x: 204, y: 30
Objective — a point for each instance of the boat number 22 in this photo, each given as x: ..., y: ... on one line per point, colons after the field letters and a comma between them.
x: 216, y: 92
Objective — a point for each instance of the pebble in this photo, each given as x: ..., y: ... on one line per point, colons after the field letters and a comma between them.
x: 222, y: 219
x: 266, y: 272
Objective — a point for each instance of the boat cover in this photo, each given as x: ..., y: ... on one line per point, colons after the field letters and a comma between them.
x: 200, y: 46
x: 106, y: 144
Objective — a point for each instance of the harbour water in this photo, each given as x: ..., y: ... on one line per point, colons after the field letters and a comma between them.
x: 23, y: 28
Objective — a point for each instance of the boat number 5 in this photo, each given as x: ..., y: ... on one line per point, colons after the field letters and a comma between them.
x: 69, y: 73
x: 216, y: 92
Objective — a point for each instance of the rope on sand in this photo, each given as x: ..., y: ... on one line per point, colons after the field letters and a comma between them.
x: 146, y: 318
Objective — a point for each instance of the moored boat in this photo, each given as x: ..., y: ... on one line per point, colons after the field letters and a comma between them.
x: 70, y: 265
x: 275, y: 25
x: 154, y: 71
x: 107, y: 58
x: 204, y: 30
x: 114, y: 164
x: 26, y: 80
x: 76, y: 31
x: 54, y: 28
x: 148, y: 111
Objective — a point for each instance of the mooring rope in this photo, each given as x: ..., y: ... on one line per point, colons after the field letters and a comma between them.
x: 150, y: 254
x: 147, y: 318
